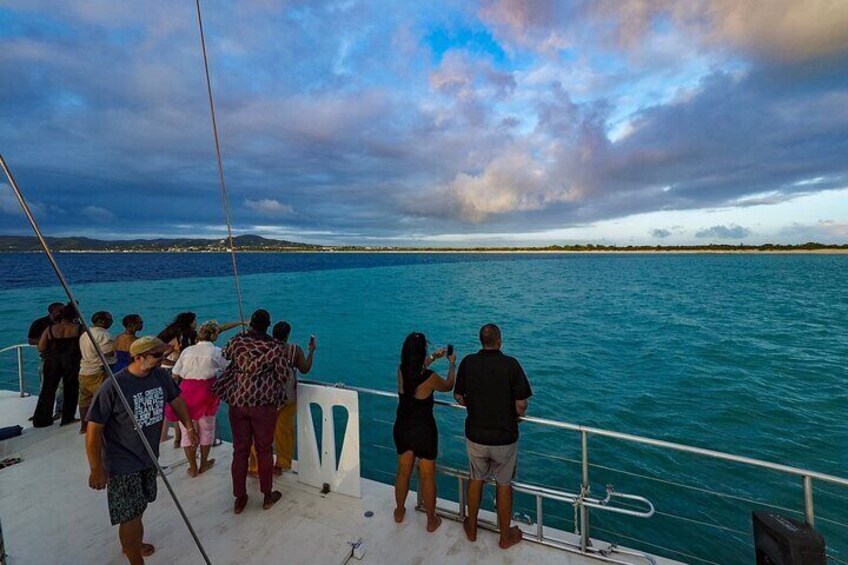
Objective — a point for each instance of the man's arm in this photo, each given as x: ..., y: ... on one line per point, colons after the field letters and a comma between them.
x: 521, y: 407
x: 98, y: 477
x: 181, y: 410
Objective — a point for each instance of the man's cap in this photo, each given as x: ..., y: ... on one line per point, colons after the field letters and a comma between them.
x: 148, y: 344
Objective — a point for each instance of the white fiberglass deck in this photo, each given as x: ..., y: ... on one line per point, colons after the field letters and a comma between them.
x: 49, y: 515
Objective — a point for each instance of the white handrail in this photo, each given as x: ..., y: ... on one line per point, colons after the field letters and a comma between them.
x: 20, y: 356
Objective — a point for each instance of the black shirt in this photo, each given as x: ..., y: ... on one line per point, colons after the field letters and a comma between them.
x: 491, y: 382
x: 37, y: 328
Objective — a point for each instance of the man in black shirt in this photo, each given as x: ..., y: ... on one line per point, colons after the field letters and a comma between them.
x: 38, y: 326
x: 494, y: 389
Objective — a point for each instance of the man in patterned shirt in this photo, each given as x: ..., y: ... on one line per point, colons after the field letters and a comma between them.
x: 254, y: 385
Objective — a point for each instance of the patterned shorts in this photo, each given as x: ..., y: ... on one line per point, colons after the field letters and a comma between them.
x: 129, y: 495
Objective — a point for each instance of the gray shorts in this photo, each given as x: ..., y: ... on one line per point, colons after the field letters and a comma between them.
x: 497, y: 462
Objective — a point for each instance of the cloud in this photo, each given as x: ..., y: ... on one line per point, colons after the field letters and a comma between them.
x: 585, y: 111
x: 777, y: 30
x: 98, y: 214
x: 269, y: 207
x: 660, y: 233
x: 724, y: 232
x: 824, y: 231
x: 9, y: 203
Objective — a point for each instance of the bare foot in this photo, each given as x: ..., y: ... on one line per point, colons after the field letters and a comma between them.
x: 176, y: 443
x: 470, y: 531
x: 513, y: 536
x: 206, y: 466
x: 399, y: 514
x: 433, y: 523
x: 192, y: 472
x: 147, y: 550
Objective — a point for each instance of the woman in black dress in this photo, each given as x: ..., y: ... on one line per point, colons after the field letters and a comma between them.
x: 59, y: 347
x: 415, y: 432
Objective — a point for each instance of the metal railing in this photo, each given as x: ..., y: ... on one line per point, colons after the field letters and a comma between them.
x: 583, y: 502
x: 21, y: 369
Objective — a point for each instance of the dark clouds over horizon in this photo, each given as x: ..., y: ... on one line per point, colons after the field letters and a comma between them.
x: 347, y: 121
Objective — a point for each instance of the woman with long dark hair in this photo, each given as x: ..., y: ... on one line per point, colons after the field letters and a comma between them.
x: 59, y: 347
x: 415, y: 432
x: 179, y: 334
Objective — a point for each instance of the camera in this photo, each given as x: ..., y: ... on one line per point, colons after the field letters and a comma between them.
x: 449, y: 350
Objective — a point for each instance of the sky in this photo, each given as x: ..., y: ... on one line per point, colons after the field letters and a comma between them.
x: 447, y: 122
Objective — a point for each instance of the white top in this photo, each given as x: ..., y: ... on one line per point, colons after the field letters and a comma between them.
x: 90, y: 363
x: 201, y: 361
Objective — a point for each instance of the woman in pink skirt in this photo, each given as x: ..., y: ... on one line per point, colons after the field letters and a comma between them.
x: 199, y: 366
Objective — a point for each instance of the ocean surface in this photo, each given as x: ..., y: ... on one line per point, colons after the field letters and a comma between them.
x: 740, y: 353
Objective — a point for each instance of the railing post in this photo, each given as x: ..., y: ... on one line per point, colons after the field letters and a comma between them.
x: 540, y: 519
x: 21, y: 381
x: 584, y: 491
x: 461, y: 499
x: 809, y: 513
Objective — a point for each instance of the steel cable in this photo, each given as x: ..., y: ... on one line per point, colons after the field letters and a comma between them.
x: 224, y: 198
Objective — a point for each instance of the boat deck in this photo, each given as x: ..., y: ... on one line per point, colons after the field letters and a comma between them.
x: 49, y: 515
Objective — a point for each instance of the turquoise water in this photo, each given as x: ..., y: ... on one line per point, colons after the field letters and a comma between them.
x: 739, y: 353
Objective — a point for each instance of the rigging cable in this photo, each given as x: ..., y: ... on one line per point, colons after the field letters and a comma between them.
x: 109, y: 373
x: 224, y: 198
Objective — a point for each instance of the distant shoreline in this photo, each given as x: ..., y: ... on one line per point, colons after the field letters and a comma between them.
x: 258, y: 244
x: 499, y: 251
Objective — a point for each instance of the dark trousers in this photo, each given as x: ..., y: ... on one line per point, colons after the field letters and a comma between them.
x: 252, y: 425
x: 64, y: 369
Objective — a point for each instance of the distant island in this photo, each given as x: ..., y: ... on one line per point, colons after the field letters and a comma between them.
x: 256, y: 243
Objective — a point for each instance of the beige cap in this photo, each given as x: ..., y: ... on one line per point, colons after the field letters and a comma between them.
x: 148, y: 344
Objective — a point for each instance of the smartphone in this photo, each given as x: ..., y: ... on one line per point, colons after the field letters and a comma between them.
x: 450, y: 350
x: 311, y: 340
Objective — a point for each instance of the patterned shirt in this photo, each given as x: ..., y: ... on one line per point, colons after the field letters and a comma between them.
x: 259, y: 371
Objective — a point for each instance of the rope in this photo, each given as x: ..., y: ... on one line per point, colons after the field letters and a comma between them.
x: 224, y: 198
x: 111, y: 376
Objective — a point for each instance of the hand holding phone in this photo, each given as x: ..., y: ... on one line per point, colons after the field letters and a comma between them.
x: 313, y: 343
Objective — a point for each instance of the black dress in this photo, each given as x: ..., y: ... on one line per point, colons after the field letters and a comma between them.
x: 61, y: 363
x: 415, y: 427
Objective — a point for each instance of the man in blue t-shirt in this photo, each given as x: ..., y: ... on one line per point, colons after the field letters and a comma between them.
x: 495, y: 390
x: 118, y: 459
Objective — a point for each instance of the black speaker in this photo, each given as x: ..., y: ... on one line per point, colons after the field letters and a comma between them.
x: 783, y: 541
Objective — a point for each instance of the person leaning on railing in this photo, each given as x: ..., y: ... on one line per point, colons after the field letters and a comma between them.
x: 59, y: 347
x: 415, y: 433
x: 284, y: 430
x: 495, y: 390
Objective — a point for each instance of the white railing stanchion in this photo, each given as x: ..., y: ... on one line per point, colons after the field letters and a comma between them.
x: 585, y: 489
x: 21, y: 380
x: 809, y: 512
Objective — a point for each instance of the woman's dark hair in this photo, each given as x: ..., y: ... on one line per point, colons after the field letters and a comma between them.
x: 131, y: 320
x: 69, y: 313
x: 281, y: 331
x: 412, y: 356
x: 181, y: 330
x: 260, y: 320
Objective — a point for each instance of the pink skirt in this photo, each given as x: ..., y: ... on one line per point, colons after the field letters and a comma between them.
x: 199, y: 398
